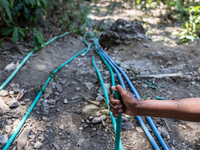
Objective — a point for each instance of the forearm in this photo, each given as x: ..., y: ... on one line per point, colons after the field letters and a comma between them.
x: 184, y: 109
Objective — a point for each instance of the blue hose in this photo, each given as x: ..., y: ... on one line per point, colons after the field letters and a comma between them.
x: 150, y: 137
x: 137, y: 96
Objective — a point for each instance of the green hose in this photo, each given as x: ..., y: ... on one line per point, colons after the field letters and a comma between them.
x: 25, y: 59
x: 11, y: 139
x: 118, y: 144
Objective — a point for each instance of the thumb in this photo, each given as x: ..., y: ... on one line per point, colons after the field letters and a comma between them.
x: 119, y: 89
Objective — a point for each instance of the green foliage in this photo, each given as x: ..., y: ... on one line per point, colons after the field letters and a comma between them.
x: 18, y: 33
x: 18, y: 14
x: 190, y: 28
x: 38, y: 38
x: 74, y: 16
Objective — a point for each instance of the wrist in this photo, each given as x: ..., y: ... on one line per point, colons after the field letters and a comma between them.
x: 137, y: 106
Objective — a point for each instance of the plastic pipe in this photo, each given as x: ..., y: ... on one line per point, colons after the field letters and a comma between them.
x: 118, y: 144
x: 11, y: 139
x: 148, y: 134
x: 25, y: 59
x: 137, y: 96
x: 161, y: 98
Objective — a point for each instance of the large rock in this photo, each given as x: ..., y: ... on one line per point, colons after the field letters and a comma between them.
x: 122, y: 32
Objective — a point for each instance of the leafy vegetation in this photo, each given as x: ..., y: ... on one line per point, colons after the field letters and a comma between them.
x: 192, y: 26
x: 24, y: 19
x: 18, y: 14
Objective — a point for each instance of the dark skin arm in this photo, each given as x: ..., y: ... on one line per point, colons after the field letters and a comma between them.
x: 184, y: 109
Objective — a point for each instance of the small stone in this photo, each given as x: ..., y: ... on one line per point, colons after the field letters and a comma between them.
x: 80, y: 142
x: 22, y: 103
x: 91, y: 117
x: 165, y: 135
x: 172, y: 148
x: 3, y: 106
x: 47, y: 92
x: 78, y: 89
x: 87, y: 121
x: 89, y: 85
x: 99, y: 98
x: 62, y: 82
x: 46, y: 112
x: 3, y: 93
x: 103, y: 117
x: 41, y: 129
x: 145, y: 85
x: 32, y: 137
x: 45, y: 103
x: 51, y: 102
x: 105, y: 112
x: 146, y: 45
x: 15, y: 124
x: 124, y: 119
x: 65, y: 101
x: 139, y: 129
x: 44, y: 118
x: 38, y: 145
x: 89, y: 108
x: 3, y: 139
x: 41, y: 137
x: 59, y: 87
x: 7, y: 128
x: 126, y: 126
x: 81, y: 128
x: 11, y: 92
x: 184, y: 127
x: 61, y: 127
x: 85, y: 125
x: 98, y: 119
x: 13, y: 104
x: 56, y: 93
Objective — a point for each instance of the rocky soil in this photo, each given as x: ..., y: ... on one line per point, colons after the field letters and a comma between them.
x: 72, y: 113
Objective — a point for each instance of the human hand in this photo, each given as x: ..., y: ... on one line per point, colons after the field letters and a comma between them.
x: 128, y: 104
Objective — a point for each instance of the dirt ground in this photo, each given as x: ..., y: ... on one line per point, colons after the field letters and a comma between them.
x: 63, y: 117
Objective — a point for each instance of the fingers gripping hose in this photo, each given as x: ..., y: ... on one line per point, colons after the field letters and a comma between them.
x: 137, y: 96
x: 150, y: 137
